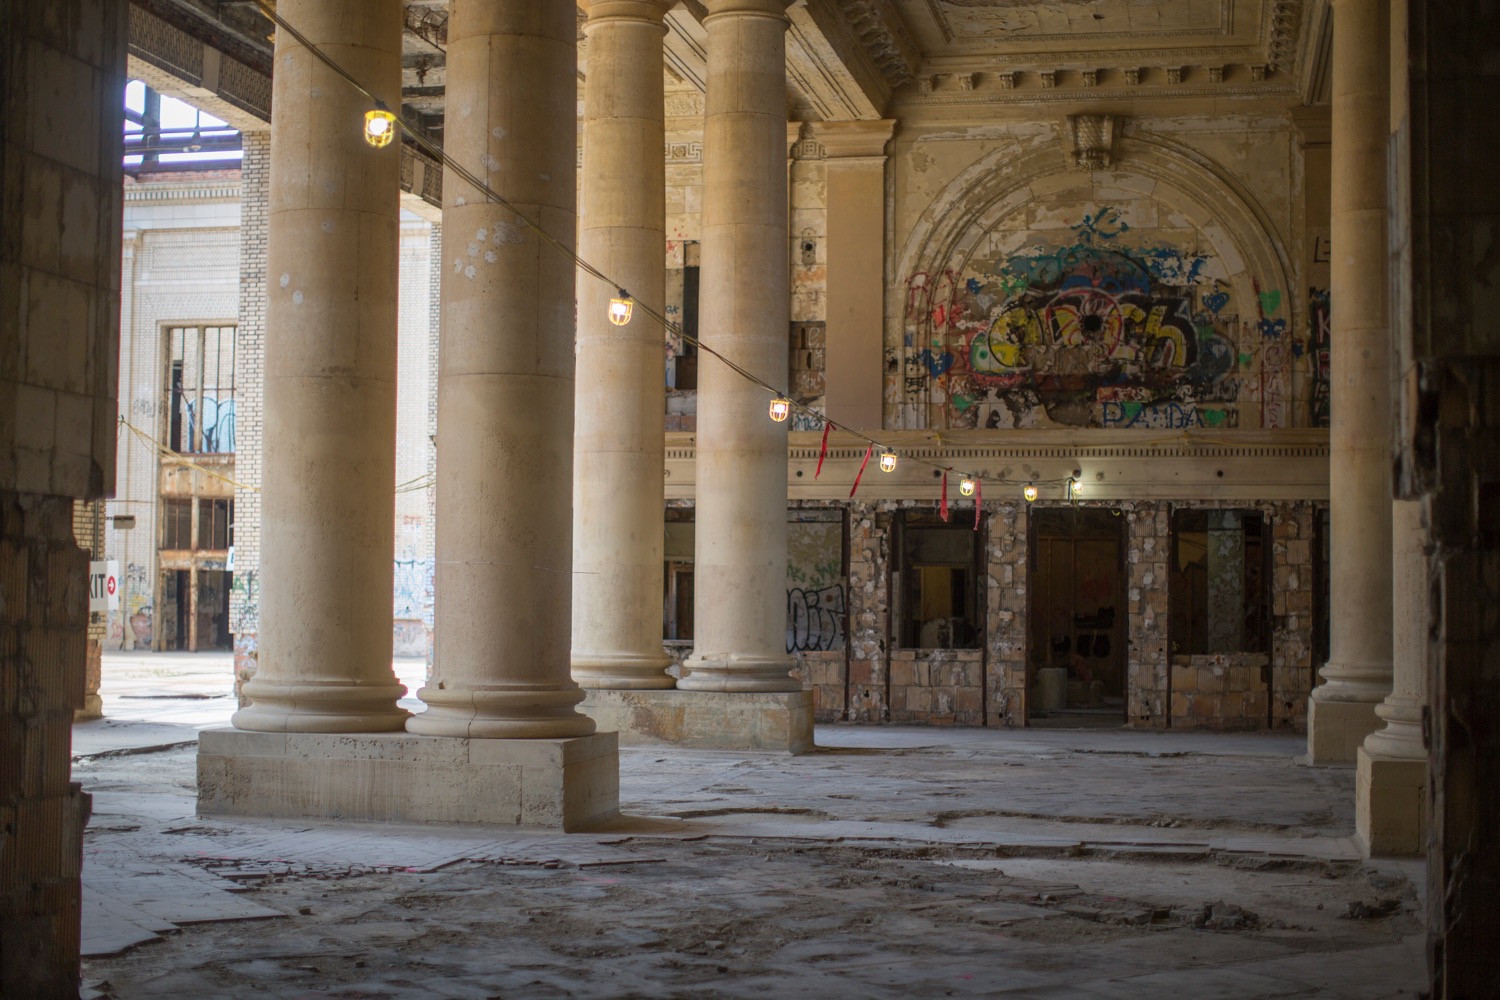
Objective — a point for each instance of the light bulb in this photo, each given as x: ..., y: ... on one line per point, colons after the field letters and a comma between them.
x: 1075, y: 487
x: 620, y: 308
x: 781, y: 408
x: 1029, y: 493
x: 380, y: 127
x: 966, y: 486
x: 888, y: 461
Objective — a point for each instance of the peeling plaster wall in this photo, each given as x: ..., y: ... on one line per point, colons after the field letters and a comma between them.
x: 1157, y: 293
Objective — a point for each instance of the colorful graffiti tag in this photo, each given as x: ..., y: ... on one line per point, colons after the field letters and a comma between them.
x: 1112, y: 329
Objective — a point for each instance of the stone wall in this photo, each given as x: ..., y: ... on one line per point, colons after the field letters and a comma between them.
x: 1006, y: 532
x: 1220, y: 691
x: 62, y: 68
x: 88, y: 532
x: 1148, y: 543
x: 869, y: 603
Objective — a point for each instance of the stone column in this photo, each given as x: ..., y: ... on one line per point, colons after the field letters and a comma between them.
x: 504, y: 535
x: 618, y: 533
x: 854, y: 161
x: 328, y: 469
x: 1341, y: 711
x: 1390, y: 791
x: 740, y: 558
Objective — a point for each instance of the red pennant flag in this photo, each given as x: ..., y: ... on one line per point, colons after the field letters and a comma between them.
x: 868, y: 452
x: 944, y: 510
x: 978, y: 500
x: 823, y: 452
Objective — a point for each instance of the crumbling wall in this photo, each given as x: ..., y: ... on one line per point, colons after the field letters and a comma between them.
x: 1006, y: 548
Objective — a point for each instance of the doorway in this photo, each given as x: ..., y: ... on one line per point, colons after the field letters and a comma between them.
x: 1076, y: 662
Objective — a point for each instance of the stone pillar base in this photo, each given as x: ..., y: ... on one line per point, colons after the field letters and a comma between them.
x: 1390, y: 805
x: 93, y: 708
x: 710, y: 720
x: 1337, y: 729
x: 563, y: 784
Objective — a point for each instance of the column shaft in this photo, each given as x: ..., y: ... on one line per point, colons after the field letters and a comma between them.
x: 1358, y: 674
x: 740, y: 556
x: 328, y: 470
x: 505, y: 386
x: 619, y: 461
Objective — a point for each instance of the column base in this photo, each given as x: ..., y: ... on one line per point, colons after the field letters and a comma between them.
x: 321, y: 708
x: 565, y: 784
x: 93, y: 708
x: 623, y: 672
x: 1337, y: 729
x: 1390, y: 805
x: 712, y: 720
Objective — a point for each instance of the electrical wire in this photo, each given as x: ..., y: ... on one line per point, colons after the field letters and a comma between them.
x: 437, y: 152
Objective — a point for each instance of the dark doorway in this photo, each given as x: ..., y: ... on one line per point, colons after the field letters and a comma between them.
x: 1077, y: 662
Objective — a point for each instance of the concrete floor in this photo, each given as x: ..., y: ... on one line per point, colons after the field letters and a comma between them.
x: 893, y: 862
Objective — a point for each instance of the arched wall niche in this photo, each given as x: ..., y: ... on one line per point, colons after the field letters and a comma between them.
x: 1154, y: 295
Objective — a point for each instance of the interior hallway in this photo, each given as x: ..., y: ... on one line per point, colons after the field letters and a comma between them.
x: 892, y: 862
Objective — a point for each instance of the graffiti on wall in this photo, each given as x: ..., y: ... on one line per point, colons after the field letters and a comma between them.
x: 413, y: 590
x: 815, y: 619
x: 218, y: 424
x: 136, y: 629
x: 1318, y: 324
x: 816, y: 604
x: 1110, y: 328
x: 244, y: 592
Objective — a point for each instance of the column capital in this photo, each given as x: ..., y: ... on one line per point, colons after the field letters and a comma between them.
x: 652, y: 11
x: 854, y: 138
x: 762, y: 8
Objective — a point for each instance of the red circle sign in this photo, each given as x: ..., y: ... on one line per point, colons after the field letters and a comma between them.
x: 109, y: 585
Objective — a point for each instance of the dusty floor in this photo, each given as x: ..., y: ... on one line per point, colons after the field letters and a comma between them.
x: 891, y: 863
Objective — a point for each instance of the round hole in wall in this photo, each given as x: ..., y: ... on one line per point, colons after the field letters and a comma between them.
x: 799, y: 473
x: 1220, y: 473
x: 936, y: 473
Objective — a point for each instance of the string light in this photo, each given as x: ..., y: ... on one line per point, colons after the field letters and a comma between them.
x: 1029, y: 492
x: 380, y: 130
x: 620, y: 309
x: 966, y: 486
x: 1075, y: 488
x: 380, y: 127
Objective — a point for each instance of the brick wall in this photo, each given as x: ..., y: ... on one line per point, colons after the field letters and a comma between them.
x: 244, y: 599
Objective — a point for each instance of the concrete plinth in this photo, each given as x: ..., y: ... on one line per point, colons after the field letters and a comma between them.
x: 1337, y: 729
x: 1390, y: 814
x: 566, y: 783
x: 716, y: 720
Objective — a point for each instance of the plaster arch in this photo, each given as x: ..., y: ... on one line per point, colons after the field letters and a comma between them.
x: 955, y: 242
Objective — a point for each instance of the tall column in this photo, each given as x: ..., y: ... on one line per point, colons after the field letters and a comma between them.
x: 854, y: 161
x: 618, y: 533
x: 505, y: 386
x: 740, y: 558
x: 1391, y: 781
x: 328, y: 464
x: 1341, y: 711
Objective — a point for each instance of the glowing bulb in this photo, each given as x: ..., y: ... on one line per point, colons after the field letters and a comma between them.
x: 380, y: 127
x: 781, y: 408
x: 1075, y: 487
x: 1029, y: 493
x: 888, y: 461
x: 620, y: 308
x: 966, y: 486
